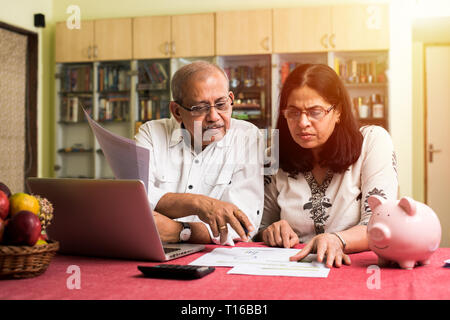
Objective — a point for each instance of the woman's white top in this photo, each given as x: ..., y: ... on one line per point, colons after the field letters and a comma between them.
x: 340, y: 202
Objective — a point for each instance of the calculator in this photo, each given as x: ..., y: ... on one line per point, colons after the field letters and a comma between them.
x: 175, y: 271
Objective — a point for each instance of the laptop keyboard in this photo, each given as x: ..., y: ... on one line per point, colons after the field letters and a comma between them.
x: 169, y: 250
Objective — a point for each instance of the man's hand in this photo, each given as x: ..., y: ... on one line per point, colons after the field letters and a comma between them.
x: 169, y: 230
x: 217, y: 214
x: 280, y: 234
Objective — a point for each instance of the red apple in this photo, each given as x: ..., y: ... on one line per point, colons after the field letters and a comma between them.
x: 3, y: 224
x: 4, y: 205
x: 24, y: 228
x: 5, y: 189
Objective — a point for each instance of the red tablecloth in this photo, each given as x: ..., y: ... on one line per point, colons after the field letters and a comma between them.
x: 120, y: 279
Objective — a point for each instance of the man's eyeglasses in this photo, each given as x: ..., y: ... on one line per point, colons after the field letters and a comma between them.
x: 313, y: 114
x: 222, y: 106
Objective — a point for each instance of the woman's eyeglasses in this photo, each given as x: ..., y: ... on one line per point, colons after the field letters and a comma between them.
x: 313, y: 114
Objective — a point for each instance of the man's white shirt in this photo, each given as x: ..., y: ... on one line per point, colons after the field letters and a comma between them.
x: 229, y: 170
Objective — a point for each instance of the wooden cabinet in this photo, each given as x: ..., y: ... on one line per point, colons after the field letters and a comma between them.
x: 301, y: 29
x: 151, y: 37
x: 193, y: 35
x: 244, y: 32
x: 360, y: 27
x: 331, y: 28
x: 113, y: 39
x: 108, y: 39
x: 173, y: 36
x: 74, y: 45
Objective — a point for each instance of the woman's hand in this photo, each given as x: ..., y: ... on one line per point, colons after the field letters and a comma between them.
x: 325, y: 244
x: 280, y: 234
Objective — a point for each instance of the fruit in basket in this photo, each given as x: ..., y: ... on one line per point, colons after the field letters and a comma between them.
x: 23, y: 202
x: 24, y: 228
x: 41, y: 240
x: 3, y: 224
x: 4, y: 205
x: 5, y: 189
x: 45, y: 213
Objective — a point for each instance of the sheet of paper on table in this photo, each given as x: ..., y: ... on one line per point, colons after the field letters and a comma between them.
x: 263, y: 261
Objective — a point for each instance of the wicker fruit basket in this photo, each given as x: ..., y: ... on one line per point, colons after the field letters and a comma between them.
x: 18, y: 262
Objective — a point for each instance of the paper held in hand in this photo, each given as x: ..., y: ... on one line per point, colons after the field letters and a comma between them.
x: 126, y: 159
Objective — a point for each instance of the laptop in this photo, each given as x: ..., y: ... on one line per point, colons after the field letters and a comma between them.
x: 105, y: 218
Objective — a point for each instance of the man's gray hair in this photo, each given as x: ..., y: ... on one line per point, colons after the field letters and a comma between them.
x: 182, y: 76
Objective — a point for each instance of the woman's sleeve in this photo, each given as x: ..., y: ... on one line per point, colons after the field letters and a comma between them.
x: 379, y: 169
x: 272, y: 210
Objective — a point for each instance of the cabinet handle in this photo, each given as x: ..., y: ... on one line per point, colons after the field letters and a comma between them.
x: 89, y: 52
x: 166, y: 51
x: 173, y: 47
x: 95, y: 51
x: 322, y: 41
x: 265, y: 43
x: 332, y: 38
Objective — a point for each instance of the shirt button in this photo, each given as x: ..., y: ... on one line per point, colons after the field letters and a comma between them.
x: 257, y: 212
x: 196, y: 161
x: 190, y: 186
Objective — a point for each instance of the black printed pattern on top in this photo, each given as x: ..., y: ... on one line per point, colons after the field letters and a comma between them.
x: 318, y: 203
x: 375, y: 191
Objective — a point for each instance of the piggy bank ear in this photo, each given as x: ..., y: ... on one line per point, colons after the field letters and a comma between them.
x: 374, y: 201
x: 408, y: 205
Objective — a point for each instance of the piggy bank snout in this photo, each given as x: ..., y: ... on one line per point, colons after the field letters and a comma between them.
x: 379, y: 232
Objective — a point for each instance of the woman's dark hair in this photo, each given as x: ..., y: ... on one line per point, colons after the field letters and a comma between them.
x: 343, y: 147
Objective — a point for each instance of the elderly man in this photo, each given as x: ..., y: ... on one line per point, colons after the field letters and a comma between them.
x: 201, y: 184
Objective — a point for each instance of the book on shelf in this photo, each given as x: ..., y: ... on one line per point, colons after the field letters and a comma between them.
x: 114, y: 108
x: 70, y: 109
x: 153, y: 73
x: 76, y: 78
x: 113, y: 78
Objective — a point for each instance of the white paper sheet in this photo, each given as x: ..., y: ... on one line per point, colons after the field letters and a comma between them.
x: 291, y: 269
x: 126, y: 159
x: 263, y: 261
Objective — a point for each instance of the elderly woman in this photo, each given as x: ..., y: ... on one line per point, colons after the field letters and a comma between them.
x: 328, y: 169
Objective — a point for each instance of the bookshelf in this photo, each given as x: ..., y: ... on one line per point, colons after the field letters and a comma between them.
x: 122, y: 95
x: 365, y: 74
x: 250, y: 82
x: 153, y: 90
x: 74, y: 140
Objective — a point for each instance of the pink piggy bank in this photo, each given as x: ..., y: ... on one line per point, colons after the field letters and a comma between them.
x: 403, y: 231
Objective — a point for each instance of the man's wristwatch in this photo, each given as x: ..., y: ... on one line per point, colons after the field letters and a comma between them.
x: 185, y: 233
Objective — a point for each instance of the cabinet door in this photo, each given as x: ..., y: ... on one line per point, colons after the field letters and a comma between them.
x: 74, y: 45
x: 243, y: 32
x: 151, y: 37
x: 113, y: 39
x: 360, y: 27
x: 305, y: 29
x: 193, y: 35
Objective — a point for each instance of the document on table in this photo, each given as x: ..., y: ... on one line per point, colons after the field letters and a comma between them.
x: 263, y: 261
x: 126, y: 159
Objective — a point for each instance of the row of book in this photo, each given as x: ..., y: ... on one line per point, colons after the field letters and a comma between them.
x: 153, y: 73
x: 114, y: 109
x: 76, y: 79
x: 153, y: 109
x: 113, y: 78
x: 71, y: 110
